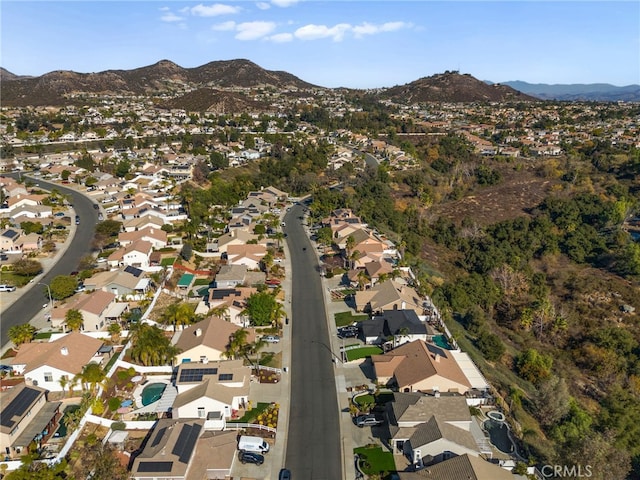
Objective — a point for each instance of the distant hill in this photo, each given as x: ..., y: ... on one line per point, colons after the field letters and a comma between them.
x: 453, y: 87
x: 596, y: 92
x: 164, y: 76
x: 6, y: 75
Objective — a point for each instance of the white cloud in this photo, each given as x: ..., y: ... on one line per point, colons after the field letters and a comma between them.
x: 281, y: 38
x: 213, y: 10
x: 224, y: 26
x: 370, y: 29
x: 254, y: 30
x: 171, y: 17
x: 314, y: 32
x: 284, y: 3
x: 164, y: 9
x: 263, y: 5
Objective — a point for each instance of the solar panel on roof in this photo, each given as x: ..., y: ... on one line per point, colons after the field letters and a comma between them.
x: 155, y: 467
x: 136, y: 272
x: 186, y: 442
x: 158, y: 437
x: 196, y: 374
x: 18, y: 406
x: 225, y: 376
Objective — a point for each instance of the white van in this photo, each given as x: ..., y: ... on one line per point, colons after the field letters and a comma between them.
x: 253, y: 444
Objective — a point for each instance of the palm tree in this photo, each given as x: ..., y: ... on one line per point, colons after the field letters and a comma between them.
x: 221, y: 311
x: 278, y: 313
x: 178, y: 313
x: 91, y: 375
x: 278, y: 236
x: 114, y: 330
x: 20, y: 334
x: 237, y: 343
x: 74, y: 319
x: 363, y: 278
x: 151, y: 346
x: 349, y: 244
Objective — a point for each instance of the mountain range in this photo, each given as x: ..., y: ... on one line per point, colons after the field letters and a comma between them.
x: 210, y: 87
x: 595, y: 92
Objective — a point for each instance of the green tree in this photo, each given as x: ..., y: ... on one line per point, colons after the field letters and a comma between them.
x: 27, y: 267
x: 551, y: 401
x: 91, y: 375
x: 534, y: 366
x: 150, y: 346
x: 63, y: 286
x: 260, y: 308
x: 491, y: 346
x: 24, y: 333
x: 74, y: 319
x: 31, y: 227
x: 178, y: 314
x: 65, y: 174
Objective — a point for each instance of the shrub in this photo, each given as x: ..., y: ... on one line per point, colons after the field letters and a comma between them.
x: 118, y: 426
x: 114, y: 403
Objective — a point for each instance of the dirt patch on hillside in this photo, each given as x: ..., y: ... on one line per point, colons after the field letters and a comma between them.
x: 516, y: 193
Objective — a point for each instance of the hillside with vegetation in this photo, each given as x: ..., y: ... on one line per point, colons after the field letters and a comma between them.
x: 527, y: 258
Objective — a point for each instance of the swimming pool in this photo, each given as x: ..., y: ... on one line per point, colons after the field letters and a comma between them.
x: 152, y: 393
x: 441, y: 341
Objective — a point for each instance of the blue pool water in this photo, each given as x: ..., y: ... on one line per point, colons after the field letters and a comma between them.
x: 441, y: 341
x: 152, y: 393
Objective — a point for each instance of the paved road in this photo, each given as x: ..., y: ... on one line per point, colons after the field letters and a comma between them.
x: 313, y: 441
x: 31, y: 301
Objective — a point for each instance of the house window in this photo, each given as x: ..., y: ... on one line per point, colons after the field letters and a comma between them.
x: 48, y: 377
x: 200, y: 412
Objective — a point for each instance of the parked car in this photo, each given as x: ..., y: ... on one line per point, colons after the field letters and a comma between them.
x: 367, y: 421
x: 271, y: 338
x: 80, y: 288
x: 250, y: 457
x: 350, y: 331
x: 77, y: 219
x: 284, y: 474
x: 7, y: 288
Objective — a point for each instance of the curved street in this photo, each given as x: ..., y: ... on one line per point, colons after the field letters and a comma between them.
x: 29, y: 305
x: 313, y: 441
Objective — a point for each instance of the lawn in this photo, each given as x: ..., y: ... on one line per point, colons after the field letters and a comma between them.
x: 167, y: 262
x: 348, y: 318
x: 374, y: 460
x: 252, y: 414
x: 201, y: 281
x: 363, y: 352
x: 11, y: 278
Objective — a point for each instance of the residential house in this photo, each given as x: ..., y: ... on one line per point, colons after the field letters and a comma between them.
x: 379, y: 268
x: 45, y: 364
x: 31, y: 242
x: 461, y: 467
x: 211, y: 390
x: 249, y: 255
x: 25, y: 417
x: 146, y: 221
x: 123, y: 282
x: 136, y: 255
x: 170, y: 450
x: 389, y: 295
x: 233, y: 301
x: 427, y: 429
x: 418, y: 366
x: 230, y: 276
x: 10, y: 240
x: 234, y: 237
x: 206, y: 341
x: 395, y: 327
x: 155, y: 236
x: 98, y: 308
x: 32, y: 212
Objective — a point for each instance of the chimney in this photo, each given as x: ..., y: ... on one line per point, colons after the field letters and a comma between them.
x: 198, y: 332
x: 436, y: 358
x: 64, y: 351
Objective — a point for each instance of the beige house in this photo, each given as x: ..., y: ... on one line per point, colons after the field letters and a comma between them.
x: 420, y: 367
x: 206, y: 341
x: 45, y: 364
x: 170, y: 451
x: 155, y: 236
x: 26, y: 416
x: 462, y: 467
x: 232, y: 301
x: 249, y: 255
x: 98, y: 308
x: 136, y: 255
x: 212, y: 390
x: 389, y: 295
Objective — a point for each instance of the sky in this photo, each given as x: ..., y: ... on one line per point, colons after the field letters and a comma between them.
x: 335, y: 43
